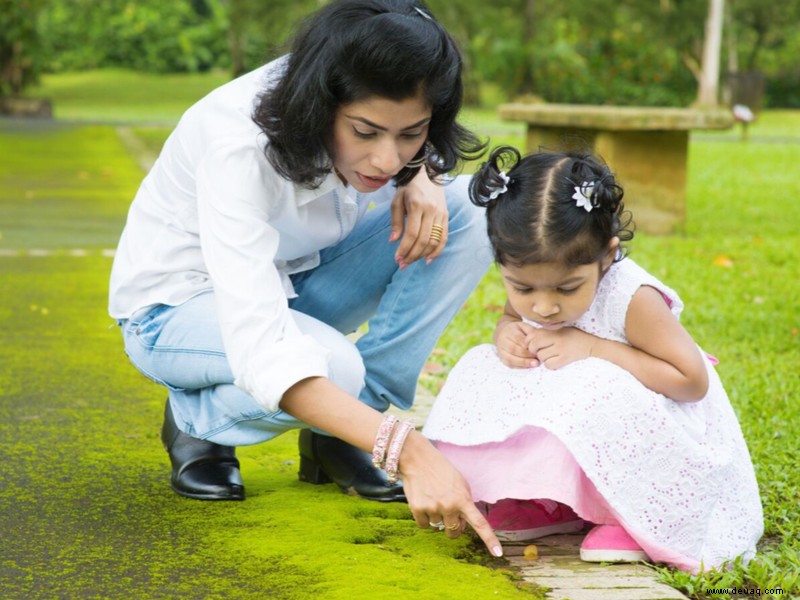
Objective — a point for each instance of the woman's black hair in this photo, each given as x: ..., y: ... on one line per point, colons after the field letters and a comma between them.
x: 534, y: 207
x: 350, y: 50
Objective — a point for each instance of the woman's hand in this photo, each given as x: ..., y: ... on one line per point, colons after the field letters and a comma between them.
x: 436, y: 492
x: 419, y: 206
x: 438, y: 495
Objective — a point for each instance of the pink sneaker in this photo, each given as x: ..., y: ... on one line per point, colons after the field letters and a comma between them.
x: 611, y: 543
x: 519, y: 520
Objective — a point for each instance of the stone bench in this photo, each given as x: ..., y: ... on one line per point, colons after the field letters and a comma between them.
x: 647, y: 148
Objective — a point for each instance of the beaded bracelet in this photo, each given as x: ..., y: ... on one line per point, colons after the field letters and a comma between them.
x: 382, y: 439
x: 393, y: 456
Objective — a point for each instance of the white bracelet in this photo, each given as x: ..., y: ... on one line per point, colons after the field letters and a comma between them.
x: 382, y: 439
x: 393, y: 456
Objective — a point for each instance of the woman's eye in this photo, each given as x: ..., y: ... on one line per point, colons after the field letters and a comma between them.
x: 363, y: 134
x: 523, y: 290
x: 413, y: 136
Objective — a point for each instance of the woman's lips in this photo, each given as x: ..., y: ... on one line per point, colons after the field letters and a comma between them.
x: 373, y: 182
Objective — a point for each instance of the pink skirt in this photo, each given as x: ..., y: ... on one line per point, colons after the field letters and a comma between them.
x: 534, y: 464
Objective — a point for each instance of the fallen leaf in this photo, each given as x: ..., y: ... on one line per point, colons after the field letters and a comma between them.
x: 531, y: 552
x: 433, y: 368
x: 723, y: 261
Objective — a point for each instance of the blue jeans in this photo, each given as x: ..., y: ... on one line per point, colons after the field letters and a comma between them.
x: 357, y: 281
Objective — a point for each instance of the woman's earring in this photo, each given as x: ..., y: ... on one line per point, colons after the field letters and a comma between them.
x: 419, y: 160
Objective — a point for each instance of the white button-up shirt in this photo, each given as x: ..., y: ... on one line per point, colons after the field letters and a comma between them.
x: 213, y: 214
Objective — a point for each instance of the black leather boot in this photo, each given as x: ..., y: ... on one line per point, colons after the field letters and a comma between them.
x: 325, y: 459
x: 200, y: 469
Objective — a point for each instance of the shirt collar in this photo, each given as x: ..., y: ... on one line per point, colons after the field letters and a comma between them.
x: 304, y: 195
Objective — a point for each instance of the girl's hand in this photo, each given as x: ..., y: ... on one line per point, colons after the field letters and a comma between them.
x: 438, y: 494
x: 420, y: 205
x: 512, y: 338
x: 555, y: 349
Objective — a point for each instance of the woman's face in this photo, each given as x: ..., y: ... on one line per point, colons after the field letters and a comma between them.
x: 373, y: 139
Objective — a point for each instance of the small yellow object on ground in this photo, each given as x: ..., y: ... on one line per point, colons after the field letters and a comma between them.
x: 531, y: 552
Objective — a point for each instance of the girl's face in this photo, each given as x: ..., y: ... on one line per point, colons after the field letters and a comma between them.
x: 373, y: 139
x: 551, y: 294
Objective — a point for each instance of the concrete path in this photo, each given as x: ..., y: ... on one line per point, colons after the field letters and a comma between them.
x: 558, y: 565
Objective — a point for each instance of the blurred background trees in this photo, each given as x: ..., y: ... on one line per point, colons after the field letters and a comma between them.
x: 626, y: 52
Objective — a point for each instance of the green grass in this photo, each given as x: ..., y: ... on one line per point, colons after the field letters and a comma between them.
x: 124, y: 96
x: 88, y: 512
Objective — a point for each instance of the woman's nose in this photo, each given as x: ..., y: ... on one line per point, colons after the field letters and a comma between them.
x: 386, y: 158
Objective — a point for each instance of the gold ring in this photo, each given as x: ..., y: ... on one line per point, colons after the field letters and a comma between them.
x: 453, y: 527
x: 437, y: 230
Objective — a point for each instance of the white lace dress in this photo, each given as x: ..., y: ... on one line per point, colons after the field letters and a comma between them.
x: 677, y: 476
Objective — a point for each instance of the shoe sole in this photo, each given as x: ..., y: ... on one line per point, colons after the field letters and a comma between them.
x: 194, y: 496
x: 393, y: 498
x: 613, y: 556
x: 521, y: 535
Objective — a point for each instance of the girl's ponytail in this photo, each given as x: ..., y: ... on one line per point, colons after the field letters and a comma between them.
x: 491, y: 180
x: 608, y: 194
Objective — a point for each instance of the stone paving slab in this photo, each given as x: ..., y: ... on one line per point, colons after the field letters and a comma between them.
x: 560, y: 569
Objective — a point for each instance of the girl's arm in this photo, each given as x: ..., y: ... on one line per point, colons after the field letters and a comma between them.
x: 662, y: 355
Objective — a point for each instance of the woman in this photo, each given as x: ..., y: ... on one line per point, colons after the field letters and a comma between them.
x: 268, y: 229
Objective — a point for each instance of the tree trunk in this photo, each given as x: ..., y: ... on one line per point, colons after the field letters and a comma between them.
x: 707, y: 93
x: 528, y: 78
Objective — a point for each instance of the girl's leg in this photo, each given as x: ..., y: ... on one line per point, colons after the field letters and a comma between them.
x: 358, y: 280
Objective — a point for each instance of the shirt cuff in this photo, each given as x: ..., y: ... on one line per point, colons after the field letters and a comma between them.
x: 270, y: 373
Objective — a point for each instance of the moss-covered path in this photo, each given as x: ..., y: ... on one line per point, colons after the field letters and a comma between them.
x: 85, y: 506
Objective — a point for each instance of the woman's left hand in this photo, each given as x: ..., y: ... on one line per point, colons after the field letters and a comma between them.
x: 422, y: 207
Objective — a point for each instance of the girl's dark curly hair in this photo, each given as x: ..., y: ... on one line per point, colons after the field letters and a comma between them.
x: 351, y: 50
x: 537, y: 219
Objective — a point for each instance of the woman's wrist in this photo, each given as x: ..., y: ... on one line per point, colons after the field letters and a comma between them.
x: 416, y: 447
x: 401, y: 432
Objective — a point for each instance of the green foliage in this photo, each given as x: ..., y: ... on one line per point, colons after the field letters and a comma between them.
x: 260, y: 31
x: 20, y: 60
x: 625, y: 52
x: 147, y: 35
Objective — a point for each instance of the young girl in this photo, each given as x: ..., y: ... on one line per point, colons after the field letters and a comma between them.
x: 594, y: 404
